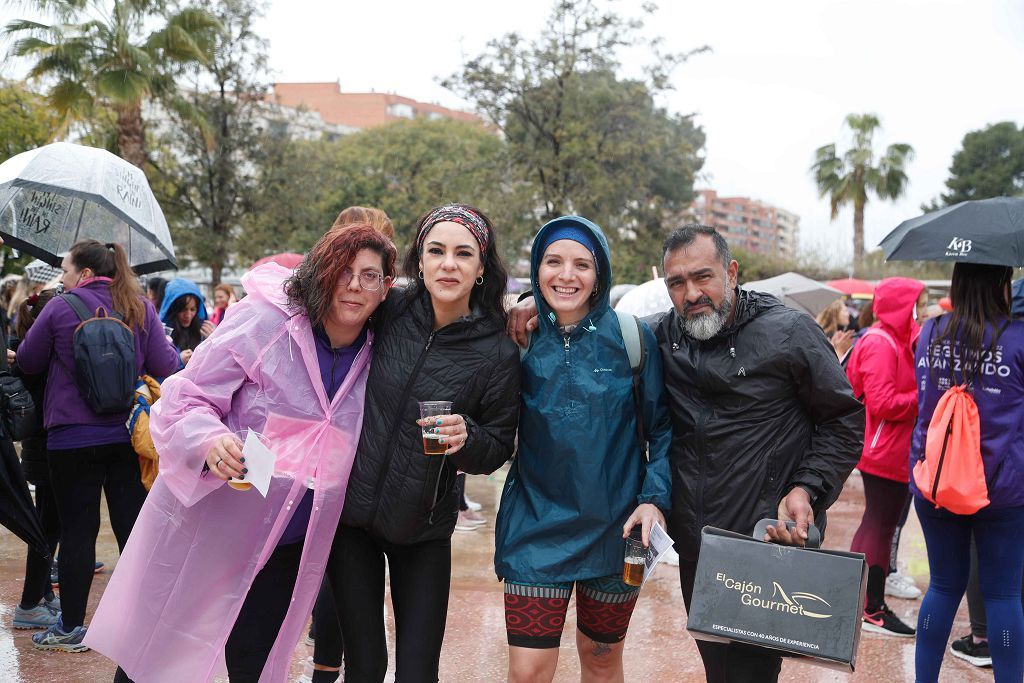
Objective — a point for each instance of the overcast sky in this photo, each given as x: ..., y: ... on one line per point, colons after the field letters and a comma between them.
x: 778, y: 83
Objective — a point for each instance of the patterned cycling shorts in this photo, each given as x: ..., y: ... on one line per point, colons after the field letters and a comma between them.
x: 535, y: 613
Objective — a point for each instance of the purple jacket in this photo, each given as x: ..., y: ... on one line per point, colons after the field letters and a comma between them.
x: 999, y: 394
x: 53, y: 332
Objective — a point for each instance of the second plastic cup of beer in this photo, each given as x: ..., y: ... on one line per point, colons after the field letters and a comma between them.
x: 432, y: 440
x: 635, y: 559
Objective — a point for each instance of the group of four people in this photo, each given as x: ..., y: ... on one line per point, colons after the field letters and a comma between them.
x: 740, y: 407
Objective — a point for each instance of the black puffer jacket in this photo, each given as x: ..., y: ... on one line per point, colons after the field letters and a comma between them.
x: 757, y: 410
x: 470, y: 362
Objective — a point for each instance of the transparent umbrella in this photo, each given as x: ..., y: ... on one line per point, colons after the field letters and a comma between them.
x: 647, y: 299
x: 56, y: 195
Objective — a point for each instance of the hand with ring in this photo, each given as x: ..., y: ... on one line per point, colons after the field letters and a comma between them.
x: 225, y: 458
x: 452, y: 428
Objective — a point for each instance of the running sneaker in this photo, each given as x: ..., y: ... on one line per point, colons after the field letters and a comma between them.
x: 474, y: 517
x: 53, y: 602
x: 55, y: 638
x: 901, y: 586
x: 40, y: 616
x: 55, y: 576
x: 974, y: 653
x: 465, y: 524
x: 884, y: 621
x: 472, y: 504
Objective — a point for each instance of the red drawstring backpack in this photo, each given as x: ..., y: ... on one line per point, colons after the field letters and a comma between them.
x: 952, y: 475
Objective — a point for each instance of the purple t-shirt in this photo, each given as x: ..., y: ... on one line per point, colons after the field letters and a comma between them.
x: 334, y: 366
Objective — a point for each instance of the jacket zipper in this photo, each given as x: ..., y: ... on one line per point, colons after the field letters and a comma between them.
x: 702, y: 446
x: 394, y: 432
x: 878, y: 433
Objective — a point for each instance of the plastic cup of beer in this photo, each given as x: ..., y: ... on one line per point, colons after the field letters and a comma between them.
x: 242, y: 435
x: 431, y: 440
x: 635, y: 560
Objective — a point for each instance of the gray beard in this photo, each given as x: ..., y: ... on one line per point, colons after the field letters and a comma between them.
x: 707, y: 325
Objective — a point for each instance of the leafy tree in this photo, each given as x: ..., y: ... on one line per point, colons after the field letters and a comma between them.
x: 205, y: 165
x: 586, y: 140
x: 990, y: 163
x: 404, y: 168
x: 25, y: 120
x: 848, y: 179
x: 98, y: 54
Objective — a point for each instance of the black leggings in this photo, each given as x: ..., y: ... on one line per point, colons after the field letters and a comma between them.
x: 420, y: 580
x: 37, y: 567
x: 328, y: 645
x: 729, y: 662
x: 259, y: 621
x: 78, y: 476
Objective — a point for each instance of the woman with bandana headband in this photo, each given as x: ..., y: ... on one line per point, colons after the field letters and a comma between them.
x: 441, y: 340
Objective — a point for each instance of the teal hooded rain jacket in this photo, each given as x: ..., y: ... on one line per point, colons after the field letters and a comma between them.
x: 581, y: 469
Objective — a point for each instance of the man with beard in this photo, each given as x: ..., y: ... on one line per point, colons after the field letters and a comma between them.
x: 763, y: 418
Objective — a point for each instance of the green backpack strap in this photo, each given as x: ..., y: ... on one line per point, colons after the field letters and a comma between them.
x: 633, y: 338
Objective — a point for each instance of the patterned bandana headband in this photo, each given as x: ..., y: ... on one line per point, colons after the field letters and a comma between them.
x: 470, y: 220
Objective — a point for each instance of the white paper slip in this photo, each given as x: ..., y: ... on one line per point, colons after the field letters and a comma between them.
x: 660, y: 543
x: 260, y: 461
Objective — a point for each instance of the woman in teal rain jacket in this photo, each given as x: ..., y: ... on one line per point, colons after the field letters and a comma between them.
x: 582, y: 478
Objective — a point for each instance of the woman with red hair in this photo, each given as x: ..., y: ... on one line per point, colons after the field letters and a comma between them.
x: 212, y: 574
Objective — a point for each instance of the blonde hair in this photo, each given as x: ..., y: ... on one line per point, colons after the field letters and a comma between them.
x: 375, y: 218
x: 828, y: 320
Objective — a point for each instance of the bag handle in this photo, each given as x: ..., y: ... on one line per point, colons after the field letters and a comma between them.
x: 813, y: 534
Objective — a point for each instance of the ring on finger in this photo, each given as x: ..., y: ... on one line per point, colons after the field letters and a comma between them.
x: 219, y: 461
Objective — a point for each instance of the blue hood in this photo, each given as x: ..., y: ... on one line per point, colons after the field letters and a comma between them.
x: 604, y: 265
x: 177, y: 288
x: 1018, y: 299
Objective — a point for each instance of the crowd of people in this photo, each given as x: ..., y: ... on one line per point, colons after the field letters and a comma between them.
x: 739, y: 407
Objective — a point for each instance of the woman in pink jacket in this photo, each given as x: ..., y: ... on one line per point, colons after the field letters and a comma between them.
x: 212, y: 575
x: 881, y: 371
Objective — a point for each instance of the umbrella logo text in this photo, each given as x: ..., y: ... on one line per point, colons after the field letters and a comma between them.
x: 958, y: 247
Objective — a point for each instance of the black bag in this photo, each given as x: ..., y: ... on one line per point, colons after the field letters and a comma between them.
x: 17, y: 409
x: 104, y: 348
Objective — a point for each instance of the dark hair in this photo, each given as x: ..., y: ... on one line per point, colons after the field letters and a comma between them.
x: 311, y: 287
x: 685, y: 235
x: 185, y: 337
x: 866, y: 315
x: 157, y: 285
x: 111, y: 260
x: 30, y: 309
x: 490, y: 296
x: 979, y: 301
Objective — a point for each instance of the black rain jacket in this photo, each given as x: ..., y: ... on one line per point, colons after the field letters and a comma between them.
x: 396, y: 492
x: 757, y: 410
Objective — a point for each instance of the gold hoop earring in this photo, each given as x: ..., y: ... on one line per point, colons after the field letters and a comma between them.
x: 480, y: 280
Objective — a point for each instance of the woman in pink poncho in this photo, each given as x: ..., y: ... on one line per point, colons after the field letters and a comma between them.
x: 212, y: 575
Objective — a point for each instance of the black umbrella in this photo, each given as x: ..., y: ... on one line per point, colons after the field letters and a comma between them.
x: 17, y: 512
x: 987, y: 231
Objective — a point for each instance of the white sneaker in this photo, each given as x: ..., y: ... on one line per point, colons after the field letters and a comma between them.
x: 465, y: 524
x: 472, y: 504
x: 901, y: 586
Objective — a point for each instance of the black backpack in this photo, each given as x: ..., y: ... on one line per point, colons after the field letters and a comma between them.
x: 104, y: 348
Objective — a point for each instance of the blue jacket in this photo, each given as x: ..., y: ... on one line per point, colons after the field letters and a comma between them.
x: 177, y: 288
x: 580, y: 469
x: 999, y: 394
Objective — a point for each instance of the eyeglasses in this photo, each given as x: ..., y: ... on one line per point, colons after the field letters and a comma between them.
x: 368, y: 280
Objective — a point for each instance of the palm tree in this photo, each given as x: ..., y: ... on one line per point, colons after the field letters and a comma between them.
x: 847, y: 179
x: 97, y: 54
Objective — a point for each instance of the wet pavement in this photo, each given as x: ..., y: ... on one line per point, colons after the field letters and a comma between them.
x: 657, y: 648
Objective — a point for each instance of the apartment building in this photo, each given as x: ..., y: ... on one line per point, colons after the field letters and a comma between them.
x: 748, y: 223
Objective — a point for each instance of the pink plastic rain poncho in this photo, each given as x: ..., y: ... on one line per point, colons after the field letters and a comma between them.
x: 197, y: 544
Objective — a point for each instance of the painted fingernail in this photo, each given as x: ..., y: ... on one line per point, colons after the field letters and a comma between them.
x: 241, y: 476
x: 438, y: 422
x: 245, y: 470
x: 242, y: 459
x: 441, y: 440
